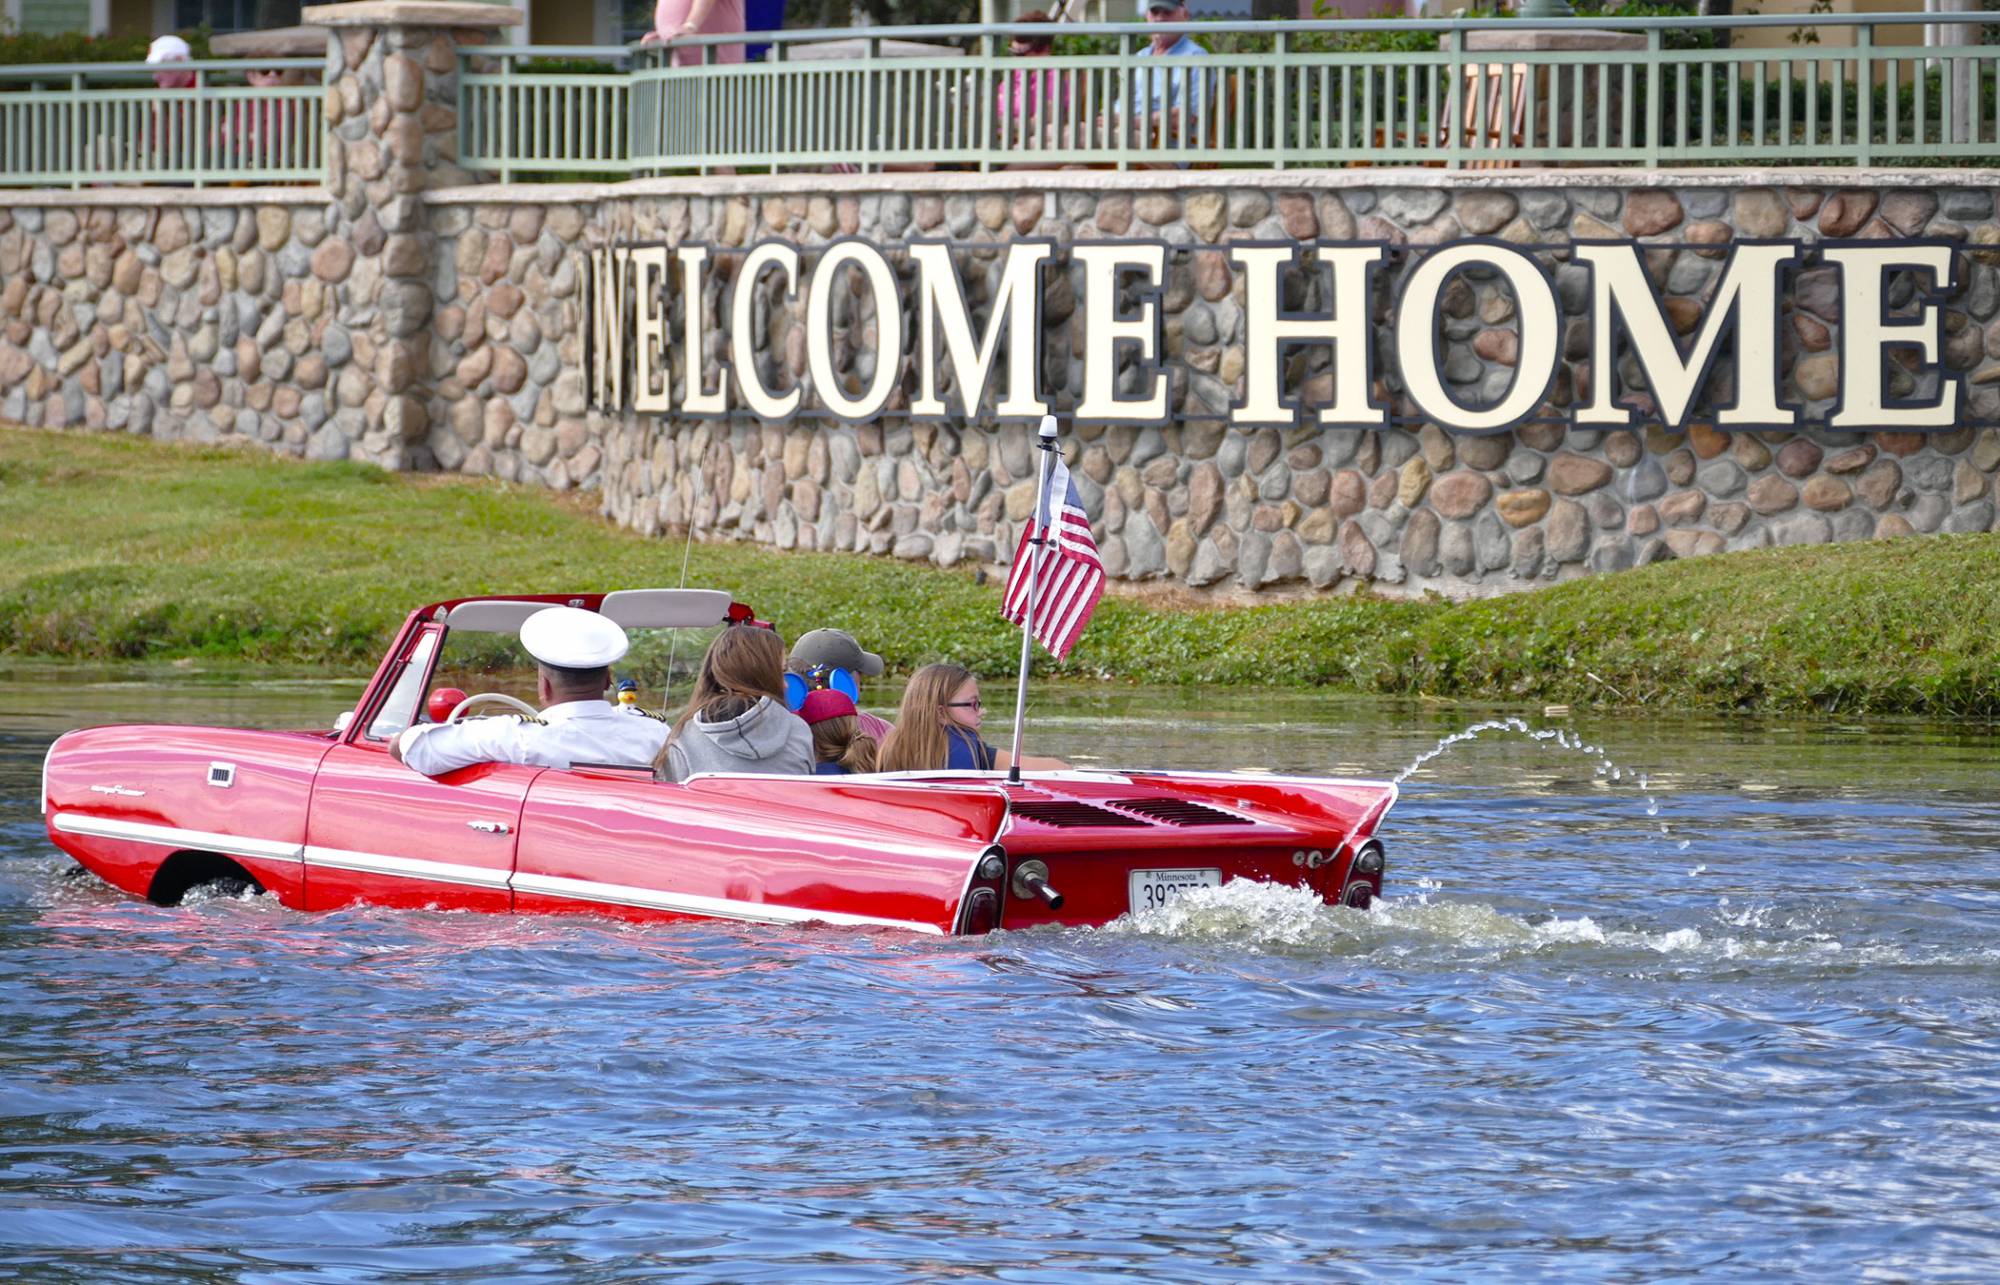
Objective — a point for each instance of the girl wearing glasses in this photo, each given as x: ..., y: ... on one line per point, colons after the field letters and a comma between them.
x: 938, y: 728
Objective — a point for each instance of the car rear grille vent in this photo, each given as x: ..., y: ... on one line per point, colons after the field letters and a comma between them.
x: 1067, y: 815
x: 1178, y: 812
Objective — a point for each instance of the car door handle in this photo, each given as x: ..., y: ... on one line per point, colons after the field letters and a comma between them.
x: 489, y: 827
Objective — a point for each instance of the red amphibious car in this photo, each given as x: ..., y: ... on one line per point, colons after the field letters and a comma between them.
x: 325, y: 819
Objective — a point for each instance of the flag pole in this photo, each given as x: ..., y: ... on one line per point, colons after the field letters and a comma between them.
x: 1046, y: 440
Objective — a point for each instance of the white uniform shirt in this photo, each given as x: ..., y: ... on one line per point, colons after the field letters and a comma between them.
x: 587, y: 731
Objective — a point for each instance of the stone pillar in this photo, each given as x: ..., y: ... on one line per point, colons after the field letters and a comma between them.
x: 392, y: 113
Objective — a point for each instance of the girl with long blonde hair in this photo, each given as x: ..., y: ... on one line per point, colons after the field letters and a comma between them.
x: 736, y: 720
x: 937, y: 728
x: 839, y: 744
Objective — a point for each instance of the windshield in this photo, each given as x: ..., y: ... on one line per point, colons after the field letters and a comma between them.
x: 496, y: 662
x: 406, y: 697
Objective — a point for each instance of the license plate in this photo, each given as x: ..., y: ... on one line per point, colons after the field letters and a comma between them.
x: 1152, y: 889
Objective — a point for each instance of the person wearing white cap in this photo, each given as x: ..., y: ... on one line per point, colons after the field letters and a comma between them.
x: 574, y: 650
x: 171, y: 49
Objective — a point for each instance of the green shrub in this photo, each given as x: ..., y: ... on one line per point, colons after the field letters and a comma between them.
x: 130, y: 549
x: 19, y: 48
x: 570, y: 67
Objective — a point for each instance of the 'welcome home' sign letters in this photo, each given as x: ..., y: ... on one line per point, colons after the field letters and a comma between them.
x: 1384, y: 334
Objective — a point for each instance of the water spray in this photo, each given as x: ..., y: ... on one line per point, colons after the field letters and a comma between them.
x: 1561, y: 737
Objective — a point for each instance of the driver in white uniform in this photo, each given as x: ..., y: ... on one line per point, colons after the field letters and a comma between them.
x: 574, y: 651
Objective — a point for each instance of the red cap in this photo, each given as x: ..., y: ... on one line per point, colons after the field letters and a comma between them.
x: 824, y: 704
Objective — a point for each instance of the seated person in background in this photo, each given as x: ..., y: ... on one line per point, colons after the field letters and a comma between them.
x: 574, y: 651
x: 1031, y: 101
x: 736, y: 721
x: 839, y: 744
x: 836, y: 648
x: 938, y: 728
x: 170, y: 130
x: 166, y: 50
x: 261, y: 127
x: 1169, y: 102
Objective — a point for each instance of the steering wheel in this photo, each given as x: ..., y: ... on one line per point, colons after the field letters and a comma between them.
x: 492, y: 698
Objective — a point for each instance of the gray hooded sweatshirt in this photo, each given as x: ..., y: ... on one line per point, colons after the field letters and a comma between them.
x: 765, y: 738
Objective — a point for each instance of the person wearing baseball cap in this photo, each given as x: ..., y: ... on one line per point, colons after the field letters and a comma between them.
x: 822, y: 650
x: 171, y: 49
x: 1170, y: 103
x: 574, y: 650
x: 832, y: 647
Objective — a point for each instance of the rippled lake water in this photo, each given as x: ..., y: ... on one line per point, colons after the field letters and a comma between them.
x: 1740, y: 1017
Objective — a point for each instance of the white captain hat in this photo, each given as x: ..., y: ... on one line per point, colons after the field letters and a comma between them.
x: 572, y: 638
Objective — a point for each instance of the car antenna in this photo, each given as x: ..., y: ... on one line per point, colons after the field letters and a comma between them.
x: 674, y: 635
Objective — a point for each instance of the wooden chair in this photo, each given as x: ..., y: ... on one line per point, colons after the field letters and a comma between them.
x: 1506, y: 113
x: 1504, y: 123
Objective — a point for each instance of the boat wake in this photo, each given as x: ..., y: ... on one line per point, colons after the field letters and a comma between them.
x: 1416, y: 929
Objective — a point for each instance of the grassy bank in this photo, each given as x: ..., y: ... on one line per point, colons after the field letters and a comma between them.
x: 117, y: 548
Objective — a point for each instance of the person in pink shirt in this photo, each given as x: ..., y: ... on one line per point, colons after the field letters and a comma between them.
x: 260, y: 127
x: 1029, y: 93
x: 676, y: 18
x: 1031, y: 109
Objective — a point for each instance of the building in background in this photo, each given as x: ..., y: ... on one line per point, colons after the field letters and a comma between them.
x: 604, y: 22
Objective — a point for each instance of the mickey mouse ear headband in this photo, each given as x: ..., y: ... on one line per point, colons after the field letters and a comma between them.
x: 820, y: 678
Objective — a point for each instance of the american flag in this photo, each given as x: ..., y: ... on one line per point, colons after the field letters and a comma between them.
x: 1072, y: 575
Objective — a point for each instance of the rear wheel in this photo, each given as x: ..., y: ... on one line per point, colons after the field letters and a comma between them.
x: 183, y: 872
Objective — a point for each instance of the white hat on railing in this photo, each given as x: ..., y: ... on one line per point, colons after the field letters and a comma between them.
x: 169, y: 49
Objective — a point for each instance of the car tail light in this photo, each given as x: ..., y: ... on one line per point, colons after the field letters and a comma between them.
x: 981, y: 910
x: 1364, y: 875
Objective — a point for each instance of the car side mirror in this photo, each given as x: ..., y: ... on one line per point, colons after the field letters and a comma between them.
x: 342, y: 723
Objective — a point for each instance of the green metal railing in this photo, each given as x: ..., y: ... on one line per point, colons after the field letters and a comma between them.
x: 1286, y: 94
x: 92, y: 123
x: 514, y: 121
x: 1850, y: 89
x: 1847, y: 89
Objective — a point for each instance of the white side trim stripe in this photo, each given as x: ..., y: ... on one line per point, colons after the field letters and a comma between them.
x: 713, y: 907
x: 173, y: 836
x: 406, y: 867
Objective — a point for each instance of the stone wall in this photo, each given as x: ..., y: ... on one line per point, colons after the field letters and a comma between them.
x: 203, y: 322
x: 1196, y: 503
x: 445, y: 331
